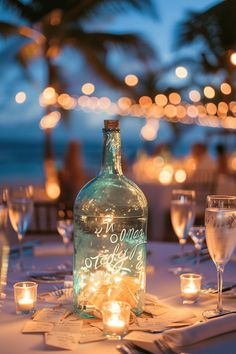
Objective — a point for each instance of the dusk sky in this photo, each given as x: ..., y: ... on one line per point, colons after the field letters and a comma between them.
x: 25, y: 117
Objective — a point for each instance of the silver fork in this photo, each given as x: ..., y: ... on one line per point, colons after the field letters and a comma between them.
x: 131, y: 348
x: 164, y: 347
x: 123, y: 349
x: 136, y: 349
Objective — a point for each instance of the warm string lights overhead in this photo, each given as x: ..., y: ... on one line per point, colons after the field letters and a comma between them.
x: 171, y: 107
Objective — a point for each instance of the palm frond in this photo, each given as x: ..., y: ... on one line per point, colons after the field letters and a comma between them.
x: 130, y: 44
x: 21, y: 8
x: 88, y: 9
x: 27, y: 53
x: 96, y: 60
x: 8, y: 29
x: 196, y: 28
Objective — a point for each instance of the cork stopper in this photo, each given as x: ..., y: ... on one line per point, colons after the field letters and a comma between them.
x: 111, y: 124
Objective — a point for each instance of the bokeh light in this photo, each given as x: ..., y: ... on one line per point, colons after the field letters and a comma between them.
x: 161, y: 100
x: 174, y: 98
x: 131, y: 80
x: 180, y: 176
x: 194, y: 95
x: 50, y: 120
x: 88, y: 88
x: 148, y: 132
x: 211, y: 108
x: 181, y: 72
x: 53, y: 190
x: 233, y: 58
x: 124, y: 103
x: 20, y: 97
x: 209, y: 92
x: 225, y: 88
x: 145, y: 101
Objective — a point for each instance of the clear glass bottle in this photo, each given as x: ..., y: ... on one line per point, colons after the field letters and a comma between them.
x: 110, y: 219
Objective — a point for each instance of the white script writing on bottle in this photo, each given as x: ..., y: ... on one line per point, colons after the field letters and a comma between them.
x: 114, y: 260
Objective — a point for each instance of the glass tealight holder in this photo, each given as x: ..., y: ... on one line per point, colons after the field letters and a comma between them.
x: 25, y: 294
x: 190, y: 285
x: 116, y: 315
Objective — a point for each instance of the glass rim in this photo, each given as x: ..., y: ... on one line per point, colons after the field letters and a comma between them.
x: 190, y: 276
x: 183, y: 191
x: 20, y: 188
x: 25, y: 284
x: 195, y: 227
x: 221, y: 196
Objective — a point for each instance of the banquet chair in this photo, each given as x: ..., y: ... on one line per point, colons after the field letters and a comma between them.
x: 44, y: 219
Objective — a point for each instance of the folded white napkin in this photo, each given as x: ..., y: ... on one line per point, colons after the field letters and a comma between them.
x: 52, y: 249
x: 200, y: 331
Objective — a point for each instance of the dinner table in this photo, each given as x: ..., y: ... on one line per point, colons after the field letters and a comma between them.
x: 160, y: 282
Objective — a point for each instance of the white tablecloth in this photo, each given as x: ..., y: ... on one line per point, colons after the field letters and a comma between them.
x: 161, y: 283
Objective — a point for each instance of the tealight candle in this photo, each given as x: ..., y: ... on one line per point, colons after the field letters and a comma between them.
x: 25, y: 294
x: 116, y: 316
x: 190, y: 287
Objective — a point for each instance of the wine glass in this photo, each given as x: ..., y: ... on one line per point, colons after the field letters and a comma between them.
x: 65, y: 225
x: 3, y: 209
x: 20, y: 209
x: 220, y: 222
x: 4, y: 245
x: 182, y: 214
x: 198, y: 235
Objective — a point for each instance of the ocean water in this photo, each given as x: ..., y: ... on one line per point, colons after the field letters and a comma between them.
x: 23, y: 161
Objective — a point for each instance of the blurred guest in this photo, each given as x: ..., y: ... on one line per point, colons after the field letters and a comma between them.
x: 162, y: 150
x: 72, y: 175
x: 222, y: 159
x: 203, y: 161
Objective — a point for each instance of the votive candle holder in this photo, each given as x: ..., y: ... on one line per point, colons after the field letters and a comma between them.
x: 25, y: 294
x: 116, y: 316
x: 190, y: 285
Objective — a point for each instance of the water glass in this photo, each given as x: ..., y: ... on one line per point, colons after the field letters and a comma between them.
x: 182, y: 214
x: 220, y: 222
x: 20, y: 209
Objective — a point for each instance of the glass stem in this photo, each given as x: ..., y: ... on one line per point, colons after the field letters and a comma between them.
x: 182, y: 254
x: 220, y: 271
x: 197, y: 259
x: 20, y: 252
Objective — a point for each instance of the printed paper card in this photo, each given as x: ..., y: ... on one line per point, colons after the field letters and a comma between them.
x: 141, y: 337
x: 151, y: 323
x: 49, y: 314
x: 156, y: 309
x: 70, y: 327
x: 37, y: 327
x: 91, y: 334
x: 63, y: 340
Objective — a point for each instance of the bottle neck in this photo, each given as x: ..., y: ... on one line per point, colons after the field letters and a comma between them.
x: 111, y: 159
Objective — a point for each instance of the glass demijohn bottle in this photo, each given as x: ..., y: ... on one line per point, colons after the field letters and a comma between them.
x: 110, y: 219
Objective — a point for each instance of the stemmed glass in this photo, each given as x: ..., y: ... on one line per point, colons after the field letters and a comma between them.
x: 3, y: 210
x: 182, y: 214
x: 198, y: 235
x: 4, y: 245
x: 20, y: 209
x: 65, y: 225
x: 220, y: 221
